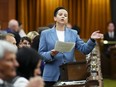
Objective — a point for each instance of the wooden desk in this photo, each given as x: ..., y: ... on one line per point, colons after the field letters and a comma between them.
x: 70, y: 84
x: 113, y: 62
x: 73, y: 71
x: 89, y: 70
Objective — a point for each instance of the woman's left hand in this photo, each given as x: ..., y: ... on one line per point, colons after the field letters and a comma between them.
x: 97, y: 35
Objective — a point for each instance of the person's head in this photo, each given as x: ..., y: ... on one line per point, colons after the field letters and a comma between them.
x: 10, y: 38
x: 29, y: 61
x: 13, y: 24
x: 111, y: 27
x: 8, y: 62
x: 32, y: 34
x: 25, y: 42
x: 61, y: 16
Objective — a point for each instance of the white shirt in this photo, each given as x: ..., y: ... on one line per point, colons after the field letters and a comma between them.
x: 60, y: 35
x: 21, y: 82
x: 1, y: 81
x: 22, y: 33
x: 111, y: 34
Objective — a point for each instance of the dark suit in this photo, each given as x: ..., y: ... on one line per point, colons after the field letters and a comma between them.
x: 16, y: 34
x: 105, y: 55
x: 108, y: 38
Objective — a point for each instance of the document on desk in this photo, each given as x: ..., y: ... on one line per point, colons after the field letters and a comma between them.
x: 64, y: 46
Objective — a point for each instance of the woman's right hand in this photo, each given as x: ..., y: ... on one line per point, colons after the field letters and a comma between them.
x: 54, y: 52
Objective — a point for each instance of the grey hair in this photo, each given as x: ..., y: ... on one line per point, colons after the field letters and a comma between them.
x: 10, y: 34
x: 6, y: 46
x: 12, y: 23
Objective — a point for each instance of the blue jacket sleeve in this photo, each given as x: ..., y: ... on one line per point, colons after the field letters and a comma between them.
x: 83, y: 47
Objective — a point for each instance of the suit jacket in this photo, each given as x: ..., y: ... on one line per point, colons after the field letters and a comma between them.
x: 47, y: 42
x: 107, y: 37
x: 16, y: 34
x: 106, y: 46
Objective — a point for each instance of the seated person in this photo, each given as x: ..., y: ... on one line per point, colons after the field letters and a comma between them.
x: 8, y: 63
x: 25, y: 42
x: 109, y: 36
x: 10, y: 38
x: 29, y: 61
x: 32, y: 34
x: 13, y: 28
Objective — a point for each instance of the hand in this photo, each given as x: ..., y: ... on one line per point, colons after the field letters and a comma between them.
x: 36, y: 82
x: 53, y: 52
x: 96, y: 35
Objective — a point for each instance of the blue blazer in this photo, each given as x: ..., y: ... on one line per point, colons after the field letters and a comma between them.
x: 47, y: 43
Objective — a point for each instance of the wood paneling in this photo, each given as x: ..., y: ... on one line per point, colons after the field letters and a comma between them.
x: 7, y: 11
x: 89, y: 15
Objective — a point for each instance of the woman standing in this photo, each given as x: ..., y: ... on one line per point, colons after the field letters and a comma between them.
x: 53, y: 59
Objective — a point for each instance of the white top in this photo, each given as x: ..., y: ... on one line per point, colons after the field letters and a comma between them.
x: 21, y: 82
x: 22, y: 33
x: 60, y: 35
x: 111, y: 34
x: 1, y: 81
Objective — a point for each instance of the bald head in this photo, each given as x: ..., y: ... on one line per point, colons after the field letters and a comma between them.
x: 13, y: 24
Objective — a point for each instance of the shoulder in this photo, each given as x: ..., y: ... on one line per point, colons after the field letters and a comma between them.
x: 71, y: 31
x: 21, y: 82
x: 46, y: 31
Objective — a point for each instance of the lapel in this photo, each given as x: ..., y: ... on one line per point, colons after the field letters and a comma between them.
x: 53, y: 34
x: 108, y: 35
x: 66, y: 35
x: 55, y: 37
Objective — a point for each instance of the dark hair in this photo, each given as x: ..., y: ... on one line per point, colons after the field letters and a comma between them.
x: 19, y: 23
x: 51, y: 25
x: 17, y: 37
x: 28, y: 59
x: 40, y: 29
x: 57, y: 9
x: 35, y: 43
x: 26, y: 38
x: 111, y: 22
x: 75, y: 27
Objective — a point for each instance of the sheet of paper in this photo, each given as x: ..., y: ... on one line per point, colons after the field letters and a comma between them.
x: 64, y: 46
